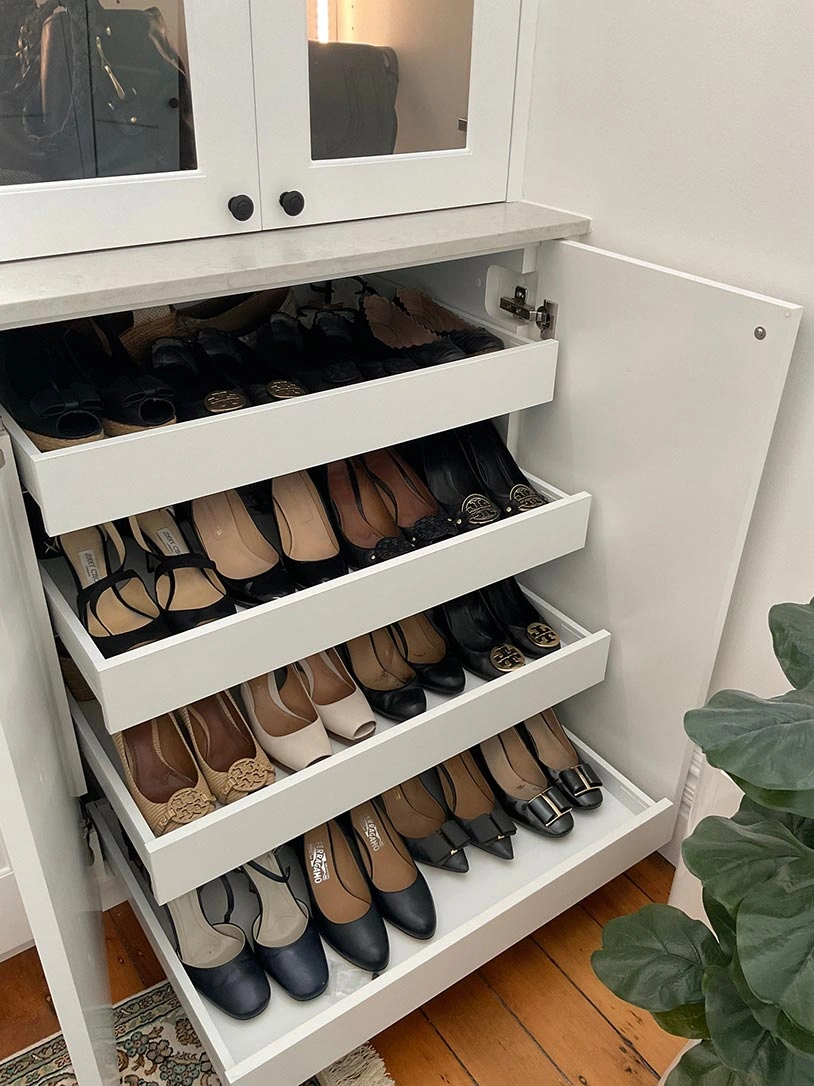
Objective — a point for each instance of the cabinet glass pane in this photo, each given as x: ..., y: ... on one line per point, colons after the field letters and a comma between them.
x: 388, y: 76
x: 93, y: 89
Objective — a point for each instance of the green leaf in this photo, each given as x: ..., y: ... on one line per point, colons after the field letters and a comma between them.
x: 731, y: 859
x: 799, y: 1040
x: 766, y: 741
x: 656, y: 958
x: 702, y: 1066
x: 723, y: 923
x: 751, y: 811
x: 776, y: 942
x: 770, y: 1017
x: 689, y: 1021
x: 792, y: 627
x: 800, y: 804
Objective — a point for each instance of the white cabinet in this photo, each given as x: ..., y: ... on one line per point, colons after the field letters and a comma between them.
x: 121, y: 127
x: 657, y: 392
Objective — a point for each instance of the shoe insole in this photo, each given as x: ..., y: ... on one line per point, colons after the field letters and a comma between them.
x: 511, y: 764
x: 331, y: 680
x: 193, y: 589
x: 305, y: 531
x: 413, y: 499
x: 220, y: 735
x: 413, y: 811
x: 466, y: 791
x: 392, y: 326
x: 424, y: 644
x: 281, y: 920
x: 363, y: 517
x: 553, y: 746
x: 384, y: 855
x: 231, y: 538
x: 430, y: 313
x: 377, y: 663
x: 113, y: 615
x: 159, y: 760
x: 200, y: 943
x: 339, y: 887
x: 290, y: 712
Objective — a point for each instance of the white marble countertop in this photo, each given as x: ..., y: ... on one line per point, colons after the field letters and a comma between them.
x: 82, y: 284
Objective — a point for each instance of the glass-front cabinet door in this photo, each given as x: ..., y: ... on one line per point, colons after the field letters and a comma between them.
x: 124, y: 122
x: 375, y: 107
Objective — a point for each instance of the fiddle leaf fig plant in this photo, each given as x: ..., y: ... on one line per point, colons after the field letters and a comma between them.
x: 742, y: 985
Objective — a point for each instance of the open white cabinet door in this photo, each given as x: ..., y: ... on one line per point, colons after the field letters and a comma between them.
x: 667, y: 391
x: 39, y: 817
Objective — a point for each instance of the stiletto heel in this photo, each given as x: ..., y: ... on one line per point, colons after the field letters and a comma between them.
x: 307, y: 538
x: 473, y: 804
x: 113, y: 602
x: 286, y: 940
x: 249, y: 565
x: 218, y: 958
x: 577, y: 780
x: 525, y: 790
x: 187, y: 587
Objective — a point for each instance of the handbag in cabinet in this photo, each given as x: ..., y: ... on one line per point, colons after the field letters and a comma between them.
x: 353, y: 90
x: 96, y: 93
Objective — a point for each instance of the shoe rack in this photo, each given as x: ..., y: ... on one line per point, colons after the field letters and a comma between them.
x: 644, y: 415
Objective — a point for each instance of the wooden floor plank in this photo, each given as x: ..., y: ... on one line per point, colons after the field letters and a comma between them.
x: 489, y: 1040
x: 415, y: 1054
x: 136, y: 945
x: 570, y: 940
x: 619, y: 897
x: 26, y: 1012
x: 583, y: 1045
x: 654, y: 877
x: 125, y: 980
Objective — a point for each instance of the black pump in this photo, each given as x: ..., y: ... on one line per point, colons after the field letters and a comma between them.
x: 476, y: 638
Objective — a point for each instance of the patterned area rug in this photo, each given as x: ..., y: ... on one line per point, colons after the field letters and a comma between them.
x: 157, y: 1045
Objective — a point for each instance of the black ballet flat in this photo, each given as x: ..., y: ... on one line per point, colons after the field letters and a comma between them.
x: 388, y: 332
x: 516, y: 614
x: 331, y: 348
x: 454, y: 484
x: 241, y: 365
x: 524, y: 788
x: 341, y: 901
x: 497, y: 470
x: 425, y: 825
x: 44, y: 394
x: 400, y: 891
x: 465, y: 788
x: 476, y: 638
x: 199, y: 391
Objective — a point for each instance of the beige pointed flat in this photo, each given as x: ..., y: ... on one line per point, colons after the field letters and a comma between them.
x: 284, y: 720
x: 226, y: 750
x: 162, y: 775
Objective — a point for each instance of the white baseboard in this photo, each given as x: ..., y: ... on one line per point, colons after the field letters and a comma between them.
x: 672, y: 850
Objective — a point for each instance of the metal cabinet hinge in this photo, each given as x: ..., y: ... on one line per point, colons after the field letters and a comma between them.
x: 544, y: 316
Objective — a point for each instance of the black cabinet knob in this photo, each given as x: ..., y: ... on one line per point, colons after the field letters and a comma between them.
x: 292, y: 202
x: 242, y: 207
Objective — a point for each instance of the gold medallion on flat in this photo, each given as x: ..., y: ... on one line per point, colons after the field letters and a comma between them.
x: 506, y: 658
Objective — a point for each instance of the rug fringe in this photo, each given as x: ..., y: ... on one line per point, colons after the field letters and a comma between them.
x: 362, y: 1067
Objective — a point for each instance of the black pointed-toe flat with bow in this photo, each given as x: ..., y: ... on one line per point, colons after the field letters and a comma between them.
x: 286, y: 940
x: 343, y: 907
x: 516, y: 614
x: 472, y: 802
x: 399, y: 890
x: 523, y: 787
x: 428, y: 830
x: 576, y: 779
x: 476, y: 638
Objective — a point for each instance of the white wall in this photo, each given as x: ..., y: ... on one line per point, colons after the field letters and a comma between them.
x: 684, y: 130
